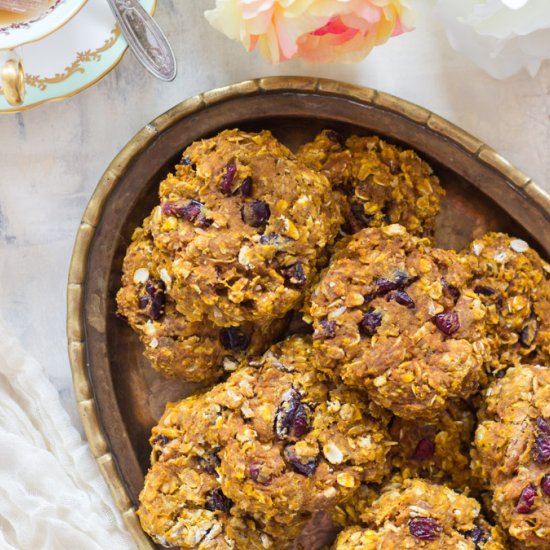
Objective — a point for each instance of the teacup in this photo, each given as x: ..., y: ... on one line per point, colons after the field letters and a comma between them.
x: 14, y: 34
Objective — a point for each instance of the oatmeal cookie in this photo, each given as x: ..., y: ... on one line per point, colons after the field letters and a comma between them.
x: 421, y: 515
x: 245, y: 225
x: 438, y: 451
x: 182, y: 503
x: 512, y: 452
x: 196, y: 351
x: 513, y: 282
x: 396, y: 317
x: 380, y: 183
x: 279, y: 440
x: 183, y: 506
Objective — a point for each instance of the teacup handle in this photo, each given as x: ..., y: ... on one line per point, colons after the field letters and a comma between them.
x: 12, y: 78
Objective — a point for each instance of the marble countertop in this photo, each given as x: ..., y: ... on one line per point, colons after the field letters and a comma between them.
x: 52, y: 156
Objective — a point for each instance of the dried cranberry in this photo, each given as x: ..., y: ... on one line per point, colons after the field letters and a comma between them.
x: 424, y: 450
x: 203, y: 222
x: 399, y: 281
x: 327, y: 332
x: 226, y: 180
x: 401, y: 297
x: 370, y: 322
x: 209, y: 462
x: 246, y: 187
x: 529, y: 332
x: 192, y: 211
x: 424, y: 528
x: 216, y: 500
x: 545, y: 484
x: 234, y: 339
x: 526, y: 500
x: 542, y: 448
x: 477, y: 536
x: 447, y: 322
x: 306, y: 468
x: 255, y: 214
x: 337, y: 137
x: 451, y: 290
x: 359, y: 213
x: 255, y: 473
x: 171, y: 208
x: 154, y: 298
x: 543, y: 426
x: 181, y: 209
x: 295, y: 275
x: 292, y: 417
x: 485, y: 290
x: 383, y: 286
x: 161, y: 440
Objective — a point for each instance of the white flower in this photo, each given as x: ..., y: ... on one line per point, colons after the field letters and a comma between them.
x: 501, y: 36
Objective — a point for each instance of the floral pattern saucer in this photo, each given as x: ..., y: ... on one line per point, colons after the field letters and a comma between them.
x: 73, y: 58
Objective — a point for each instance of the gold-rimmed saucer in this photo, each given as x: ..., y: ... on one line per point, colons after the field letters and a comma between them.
x: 75, y: 57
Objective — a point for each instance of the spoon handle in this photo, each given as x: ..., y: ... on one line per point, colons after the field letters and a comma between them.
x: 145, y: 38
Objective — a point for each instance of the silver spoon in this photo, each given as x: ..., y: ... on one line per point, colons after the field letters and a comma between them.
x: 145, y: 38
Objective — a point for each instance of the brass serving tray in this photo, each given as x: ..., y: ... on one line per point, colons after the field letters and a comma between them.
x: 119, y: 396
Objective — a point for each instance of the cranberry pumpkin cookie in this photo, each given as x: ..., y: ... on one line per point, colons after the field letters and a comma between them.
x: 182, y: 506
x: 398, y: 318
x: 513, y: 282
x: 245, y: 225
x: 278, y: 441
x: 421, y: 515
x: 438, y: 451
x: 379, y: 183
x: 512, y: 452
x: 197, y: 351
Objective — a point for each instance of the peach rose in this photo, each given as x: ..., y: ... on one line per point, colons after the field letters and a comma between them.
x: 318, y: 31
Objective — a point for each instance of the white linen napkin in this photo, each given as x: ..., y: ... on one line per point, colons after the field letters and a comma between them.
x: 52, y: 496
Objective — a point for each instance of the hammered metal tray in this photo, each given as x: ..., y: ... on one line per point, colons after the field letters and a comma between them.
x: 119, y: 396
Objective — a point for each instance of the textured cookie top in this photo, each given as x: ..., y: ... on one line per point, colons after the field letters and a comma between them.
x: 279, y: 440
x: 398, y: 318
x: 245, y: 225
x: 196, y: 351
x: 438, y: 451
x: 512, y: 452
x: 182, y: 503
x: 513, y: 282
x: 381, y: 184
x: 309, y: 449
x: 182, y: 506
x: 422, y: 515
